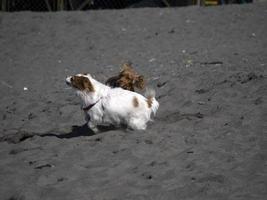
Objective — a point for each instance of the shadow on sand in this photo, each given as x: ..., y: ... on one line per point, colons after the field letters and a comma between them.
x: 78, y: 131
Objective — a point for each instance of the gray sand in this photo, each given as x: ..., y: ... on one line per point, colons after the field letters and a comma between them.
x: 208, y: 141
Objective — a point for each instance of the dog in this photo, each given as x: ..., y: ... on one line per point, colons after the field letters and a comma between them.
x: 105, y: 106
x: 127, y: 79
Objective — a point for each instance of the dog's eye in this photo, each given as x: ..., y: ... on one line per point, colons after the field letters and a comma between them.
x: 71, y: 79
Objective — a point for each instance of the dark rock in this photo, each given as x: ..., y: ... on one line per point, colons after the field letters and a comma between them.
x: 44, y: 166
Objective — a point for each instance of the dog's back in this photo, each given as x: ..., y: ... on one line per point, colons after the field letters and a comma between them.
x: 131, y: 108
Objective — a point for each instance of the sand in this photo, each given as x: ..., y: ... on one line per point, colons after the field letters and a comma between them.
x: 208, y: 140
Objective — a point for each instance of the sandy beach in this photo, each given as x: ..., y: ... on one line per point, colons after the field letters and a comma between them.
x: 208, y: 140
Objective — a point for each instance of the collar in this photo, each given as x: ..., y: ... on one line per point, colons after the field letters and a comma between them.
x: 87, y: 108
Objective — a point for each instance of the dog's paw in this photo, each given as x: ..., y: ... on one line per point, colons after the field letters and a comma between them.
x: 93, y: 127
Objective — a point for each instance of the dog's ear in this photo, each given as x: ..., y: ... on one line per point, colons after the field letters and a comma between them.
x: 82, y: 83
x: 126, y: 66
x: 87, y: 84
x: 76, y: 82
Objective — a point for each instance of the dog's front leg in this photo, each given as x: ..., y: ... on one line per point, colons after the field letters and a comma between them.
x: 93, y: 127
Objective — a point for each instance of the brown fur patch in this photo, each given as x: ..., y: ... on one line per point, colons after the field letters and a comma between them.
x: 149, y: 102
x: 140, y: 82
x: 135, y: 102
x: 125, y: 83
x: 127, y: 79
x: 82, y: 83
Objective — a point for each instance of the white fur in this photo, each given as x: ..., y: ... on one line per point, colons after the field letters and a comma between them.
x: 114, y: 106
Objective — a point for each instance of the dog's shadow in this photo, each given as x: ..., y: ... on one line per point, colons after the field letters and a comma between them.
x: 78, y: 131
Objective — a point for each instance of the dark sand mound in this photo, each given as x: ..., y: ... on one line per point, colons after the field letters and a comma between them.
x: 208, y: 141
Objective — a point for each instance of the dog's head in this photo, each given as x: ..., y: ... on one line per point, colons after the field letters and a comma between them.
x: 81, y: 82
x: 127, y: 79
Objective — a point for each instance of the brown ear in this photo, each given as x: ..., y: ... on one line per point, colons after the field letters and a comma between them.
x: 76, y: 82
x: 125, y: 67
x: 82, y: 83
x: 88, y: 85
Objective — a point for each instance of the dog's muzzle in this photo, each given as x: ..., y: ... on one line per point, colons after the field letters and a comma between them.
x: 68, y: 80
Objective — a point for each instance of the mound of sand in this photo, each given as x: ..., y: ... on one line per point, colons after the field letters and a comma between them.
x: 208, y: 141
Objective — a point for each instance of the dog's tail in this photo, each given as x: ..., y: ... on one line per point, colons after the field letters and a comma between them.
x: 151, y: 100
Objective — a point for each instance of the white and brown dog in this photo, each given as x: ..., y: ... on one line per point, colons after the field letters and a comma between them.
x: 104, y: 105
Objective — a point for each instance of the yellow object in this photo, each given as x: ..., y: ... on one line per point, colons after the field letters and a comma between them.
x: 211, y: 2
